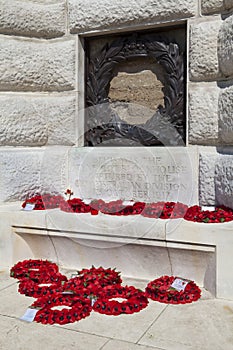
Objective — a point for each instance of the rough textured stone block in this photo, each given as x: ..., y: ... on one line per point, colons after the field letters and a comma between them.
x: 225, y: 52
x: 224, y: 180
x: 37, y: 65
x: 203, y: 50
x: 226, y: 116
x: 212, y: 6
x: 88, y: 15
x: 36, y: 121
x: 208, y: 159
x: 32, y: 18
x: 19, y: 174
x: 228, y: 4
x: 203, y: 113
x: 24, y: 172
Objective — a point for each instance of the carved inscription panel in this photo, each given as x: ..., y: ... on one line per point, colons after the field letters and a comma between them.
x: 161, y: 174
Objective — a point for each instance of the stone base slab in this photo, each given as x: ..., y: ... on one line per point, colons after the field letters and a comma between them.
x: 193, y: 250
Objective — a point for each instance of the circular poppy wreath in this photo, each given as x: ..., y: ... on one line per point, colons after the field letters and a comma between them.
x: 34, y: 289
x: 79, y: 308
x: 100, y: 274
x: 34, y: 269
x: 91, y: 281
x: 135, y: 300
x: 160, y: 290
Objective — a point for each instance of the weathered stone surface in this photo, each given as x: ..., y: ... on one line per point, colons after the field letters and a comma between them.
x: 207, y: 164
x: 88, y: 15
x: 203, y: 113
x: 24, y: 172
x: 224, y: 180
x: 212, y: 6
x: 37, y: 65
x: 141, y: 88
x: 19, y: 174
x: 36, y: 121
x: 203, y: 50
x: 32, y: 18
x: 226, y: 116
x: 225, y: 52
x: 228, y: 4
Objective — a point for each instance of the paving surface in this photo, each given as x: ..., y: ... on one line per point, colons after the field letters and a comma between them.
x: 204, y: 325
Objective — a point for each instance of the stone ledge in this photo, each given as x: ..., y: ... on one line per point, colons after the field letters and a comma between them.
x: 32, y: 18
x: 88, y: 16
x: 182, y: 238
x: 193, y: 242
x: 37, y: 65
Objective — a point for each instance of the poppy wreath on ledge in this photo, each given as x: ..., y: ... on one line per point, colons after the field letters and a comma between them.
x: 160, y: 290
x: 156, y: 210
x: 220, y: 214
x: 90, y: 282
x: 135, y: 300
x: 38, y: 270
x: 78, y: 308
x: 45, y: 201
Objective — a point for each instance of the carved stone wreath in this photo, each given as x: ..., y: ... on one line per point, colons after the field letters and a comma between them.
x: 102, y: 123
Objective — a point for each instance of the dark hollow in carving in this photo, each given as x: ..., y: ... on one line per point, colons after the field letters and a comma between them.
x: 106, y: 124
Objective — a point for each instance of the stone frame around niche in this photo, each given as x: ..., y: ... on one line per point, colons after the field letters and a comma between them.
x: 102, y: 125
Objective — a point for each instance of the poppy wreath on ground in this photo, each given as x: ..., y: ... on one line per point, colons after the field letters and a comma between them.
x: 160, y: 290
x: 34, y: 289
x: 45, y: 201
x: 78, y: 308
x: 38, y: 270
x: 135, y: 300
x: 90, y: 282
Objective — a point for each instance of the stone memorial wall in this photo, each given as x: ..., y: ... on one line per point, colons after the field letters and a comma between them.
x: 150, y: 174
x: 42, y: 99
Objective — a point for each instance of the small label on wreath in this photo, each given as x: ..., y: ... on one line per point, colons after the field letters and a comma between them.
x: 29, y: 206
x: 179, y: 284
x: 128, y: 203
x: 29, y: 315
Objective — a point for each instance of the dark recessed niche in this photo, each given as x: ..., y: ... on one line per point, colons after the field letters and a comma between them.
x: 135, y: 89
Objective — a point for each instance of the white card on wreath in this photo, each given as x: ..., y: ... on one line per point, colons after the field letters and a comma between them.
x: 29, y: 315
x: 29, y: 206
x: 179, y: 284
x: 128, y: 202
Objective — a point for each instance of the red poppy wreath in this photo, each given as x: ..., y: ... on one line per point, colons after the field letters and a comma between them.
x: 34, y: 289
x: 135, y: 300
x: 75, y: 309
x: 91, y: 281
x: 38, y: 270
x: 161, y: 290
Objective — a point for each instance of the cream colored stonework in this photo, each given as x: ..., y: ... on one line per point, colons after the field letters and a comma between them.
x: 32, y: 18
